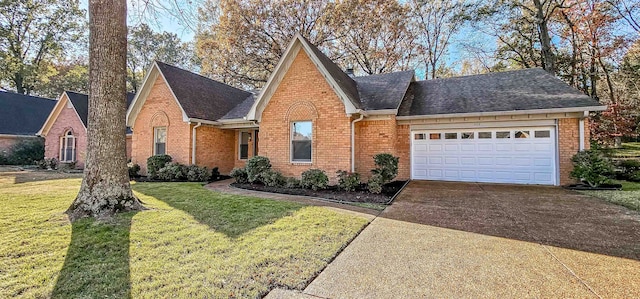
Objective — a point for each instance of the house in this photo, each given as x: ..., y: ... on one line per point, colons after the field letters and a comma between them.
x: 518, y: 127
x: 21, y: 116
x: 65, y: 129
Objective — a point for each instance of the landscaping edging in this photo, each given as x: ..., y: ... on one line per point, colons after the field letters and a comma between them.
x: 583, y: 187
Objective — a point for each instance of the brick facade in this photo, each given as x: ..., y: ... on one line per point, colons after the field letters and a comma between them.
x: 294, y: 100
x: 569, y: 145
x: 68, y: 119
x: 238, y: 163
x: 214, y: 148
x: 373, y: 137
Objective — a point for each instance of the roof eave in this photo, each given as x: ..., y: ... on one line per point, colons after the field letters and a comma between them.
x: 510, y: 112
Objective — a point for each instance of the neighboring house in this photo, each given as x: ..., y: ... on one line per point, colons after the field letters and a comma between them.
x: 512, y: 127
x: 21, y: 117
x: 65, y: 129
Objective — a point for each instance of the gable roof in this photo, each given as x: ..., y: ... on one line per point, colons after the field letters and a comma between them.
x: 80, y: 102
x: 199, y: 98
x: 383, y: 91
x: 241, y: 110
x: 21, y: 114
x: 521, y: 90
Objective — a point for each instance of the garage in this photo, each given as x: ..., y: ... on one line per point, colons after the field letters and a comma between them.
x: 517, y: 155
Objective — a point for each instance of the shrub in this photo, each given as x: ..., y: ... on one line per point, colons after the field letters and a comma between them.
x: 196, y: 173
x: 50, y: 164
x: 291, y: 183
x: 134, y: 170
x: 67, y: 166
x: 256, y: 166
x: 314, y: 179
x: 348, y: 181
x: 155, y: 163
x: 591, y: 167
x: 630, y: 170
x: 386, y: 167
x: 240, y: 175
x: 272, y: 178
x: 26, y: 152
x: 375, y: 184
x: 172, y: 172
x: 4, y: 159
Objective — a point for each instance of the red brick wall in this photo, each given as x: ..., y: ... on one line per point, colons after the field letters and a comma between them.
x: 304, y: 94
x: 373, y: 137
x: 403, y: 151
x: 214, y: 148
x: 160, y: 109
x: 236, y: 148
x: 569, y: 145
x: 67, y: 120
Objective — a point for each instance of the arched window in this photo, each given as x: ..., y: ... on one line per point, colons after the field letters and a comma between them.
x: 68, y: 147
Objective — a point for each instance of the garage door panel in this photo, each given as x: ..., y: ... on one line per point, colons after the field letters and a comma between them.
x: 529, y: 160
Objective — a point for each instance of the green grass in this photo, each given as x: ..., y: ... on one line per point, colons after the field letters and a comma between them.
x: 627, y: 150
x: 628, y: 197
x: 190, y: 243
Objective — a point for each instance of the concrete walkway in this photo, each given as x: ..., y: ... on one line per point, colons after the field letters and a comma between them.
x: 480, y: 240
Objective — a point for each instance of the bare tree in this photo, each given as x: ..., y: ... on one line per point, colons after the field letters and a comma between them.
x: 105, y: 188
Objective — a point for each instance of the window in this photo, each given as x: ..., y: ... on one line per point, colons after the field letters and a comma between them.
x: 450, y: 135
x: 68, y: 147
x: 301, y: 138
x: 522, y: 134
x: 484, y: 135
x: 419, y: 136
x: 160, y: 141
x: 244, y: 145
x: 503, y: 134
x: 467, y: 135
x: 542, y: 134
x: 434, y: 136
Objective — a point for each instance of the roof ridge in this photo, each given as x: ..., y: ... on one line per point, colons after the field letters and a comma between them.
x: 27, y: 95
x: 485, y: 74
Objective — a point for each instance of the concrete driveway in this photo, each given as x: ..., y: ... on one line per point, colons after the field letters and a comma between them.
x: 442, y: 239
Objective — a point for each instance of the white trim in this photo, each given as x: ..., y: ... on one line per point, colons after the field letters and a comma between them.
x: 513, y: 112
x: 193, y: 147
x: 155, y: 138
x: 297, y: 43
x: 292, y: 130
x: 18, y: 136
x: 382, y: 112
x: 64, y: 144
x: 204, y: 121
x: 143, y: 93
x: 55, y: 113
x: 485, y: 124
x: 581, y: 130
x: 353, y: 142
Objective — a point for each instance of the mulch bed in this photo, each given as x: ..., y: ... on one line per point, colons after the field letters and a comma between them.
x: 146, y: 179
x: 332, y: 192
x: 604, y: 187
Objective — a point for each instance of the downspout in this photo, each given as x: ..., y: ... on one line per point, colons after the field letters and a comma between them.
x: 353, y: 141
x: 581, y: 130
x: 193, y: 146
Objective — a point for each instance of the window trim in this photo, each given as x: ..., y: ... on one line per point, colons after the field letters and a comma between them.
x: 240, y: 144
x: 292, y: 131
x: 68, y: 134
x: 155, y: 138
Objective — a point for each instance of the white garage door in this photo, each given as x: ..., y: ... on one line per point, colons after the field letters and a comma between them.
x: 501, y: 155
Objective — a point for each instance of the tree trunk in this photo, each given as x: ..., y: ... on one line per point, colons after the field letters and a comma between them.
x: 545, y: 41
x: 105, y: 188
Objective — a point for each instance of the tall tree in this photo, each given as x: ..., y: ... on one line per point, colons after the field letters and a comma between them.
x: 436, y: 22
x: 241, y: 42
x: 70, y: 75
x: 144, y: 46
x: 105, y: 188
x: 374, y: 45
x: 32, y: 33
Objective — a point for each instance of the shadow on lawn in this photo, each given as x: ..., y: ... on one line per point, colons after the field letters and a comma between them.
x: 229, y: 214
x: 97, y: 261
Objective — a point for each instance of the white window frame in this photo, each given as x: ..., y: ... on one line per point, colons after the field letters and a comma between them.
x: 155, y: 138
x: 240, y: 144
x: 64, y: 142
x: 292, y: 129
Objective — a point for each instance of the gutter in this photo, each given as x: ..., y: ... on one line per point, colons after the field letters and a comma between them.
x: 581, y: 130
x: 511, y: 112
x: 353, y: 140
x: 193, y: 147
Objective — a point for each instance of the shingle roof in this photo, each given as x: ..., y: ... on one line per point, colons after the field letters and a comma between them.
x: 201, y: 97
x: 21, y: 114
x: 241, y: 109
x: 80, y: 101
x: 527, y: 89
x: 383, y: 91
x: 345, y: 83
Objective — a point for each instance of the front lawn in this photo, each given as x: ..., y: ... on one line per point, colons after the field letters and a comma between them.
x: 629, y: 196
x: 191, y: 243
